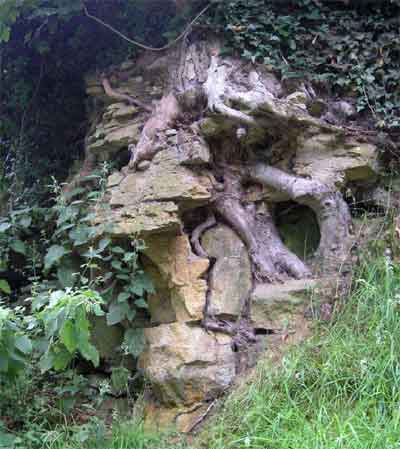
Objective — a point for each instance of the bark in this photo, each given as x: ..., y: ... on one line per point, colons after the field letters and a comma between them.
x: 198, y: 232
x: 150, y: 143
x: 271, y: 260
x: 331, y: 210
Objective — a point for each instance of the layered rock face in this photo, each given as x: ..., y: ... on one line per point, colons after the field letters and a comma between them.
x: 226, y: 149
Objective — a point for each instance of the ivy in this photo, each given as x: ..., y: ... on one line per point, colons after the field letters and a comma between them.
x: 354, y: 51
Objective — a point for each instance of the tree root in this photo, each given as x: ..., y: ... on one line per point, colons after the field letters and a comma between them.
x: 331, y: 210
x: 198, y: 232
x: 110, y: 92
x: 165, y: 114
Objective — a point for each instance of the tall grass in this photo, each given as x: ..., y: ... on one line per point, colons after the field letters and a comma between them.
x: 340, y: 390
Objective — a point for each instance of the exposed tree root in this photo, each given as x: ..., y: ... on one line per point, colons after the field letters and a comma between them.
x: 271, y: 260
x: 198, y: 232
x: 122, y: 97
x: 150, y: 143
x: 331, y: 210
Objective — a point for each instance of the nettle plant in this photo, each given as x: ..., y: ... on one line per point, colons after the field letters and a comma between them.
x: 77, y: 270
x: 355, y: 50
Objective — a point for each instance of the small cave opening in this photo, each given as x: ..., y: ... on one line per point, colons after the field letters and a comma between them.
x: 298, y: 228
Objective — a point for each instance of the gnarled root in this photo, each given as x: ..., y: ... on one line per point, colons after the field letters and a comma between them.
x: 271, y: 260
x: 165, y: 114
x: 228, y: 205
x: 331, y: 210
x: 198, y: 232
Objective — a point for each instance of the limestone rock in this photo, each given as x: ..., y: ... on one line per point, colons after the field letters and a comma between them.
x: 182, y: 271
x: 165, y: 180
x: 144, y: 203
x: 278, y: 306
x: 185, y: 364
x: 334, y: 160
x: 141, y: 219
x: 298, y: 98
x: 160, y: 304
x: 231, y: 277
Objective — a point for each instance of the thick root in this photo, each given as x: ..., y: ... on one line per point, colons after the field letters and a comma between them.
x: 164, y: 116
x: 198, y: 232
x: 331, y: 210
x: 271, y: 260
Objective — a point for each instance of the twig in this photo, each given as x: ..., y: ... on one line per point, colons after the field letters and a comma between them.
x: 138, y: 44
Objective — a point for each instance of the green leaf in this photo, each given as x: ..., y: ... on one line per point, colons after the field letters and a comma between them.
x: 66, y: 276
x: 61, y: 359
x: 5, y: 286
x: 141, y: 303
x: 89, y: 352
x: 68, y: 336
x: 117, y: 313
x: 25, y: 222
x: 135, y: 341
x: 19, y: 247
x: 80, y: 235
x: 103, y: 244
x: 23, y: 344
x: 54, y: 254
x: 124, y: 296
x: 117, y: 250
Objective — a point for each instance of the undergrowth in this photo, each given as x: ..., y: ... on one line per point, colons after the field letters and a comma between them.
x: 339, y: 390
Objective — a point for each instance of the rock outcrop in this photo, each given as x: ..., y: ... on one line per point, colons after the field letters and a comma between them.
x: 235, y: 148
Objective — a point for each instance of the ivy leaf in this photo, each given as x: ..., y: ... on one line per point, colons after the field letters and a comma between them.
x: 66, y: 277
x: 135, y: 341
x: 142, y: 284
x: 25, y: 222
x: 141, y: 303
x: 18, y: 246
x: 80, y: 235
x: 124, y: 296
x: 117, y: 313
x: 5, y: 286
x: 103, y: 244
x: 54, y: 254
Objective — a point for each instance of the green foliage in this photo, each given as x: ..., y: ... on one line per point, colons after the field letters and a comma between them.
x: 67, y: 327
x: 353, y: 50
x: 15, y: 346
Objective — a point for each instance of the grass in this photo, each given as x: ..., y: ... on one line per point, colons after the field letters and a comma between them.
x: 339, y: 390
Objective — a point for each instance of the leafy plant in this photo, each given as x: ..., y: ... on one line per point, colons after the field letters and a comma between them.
x: 15, y: 345
x: 67, y: 327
